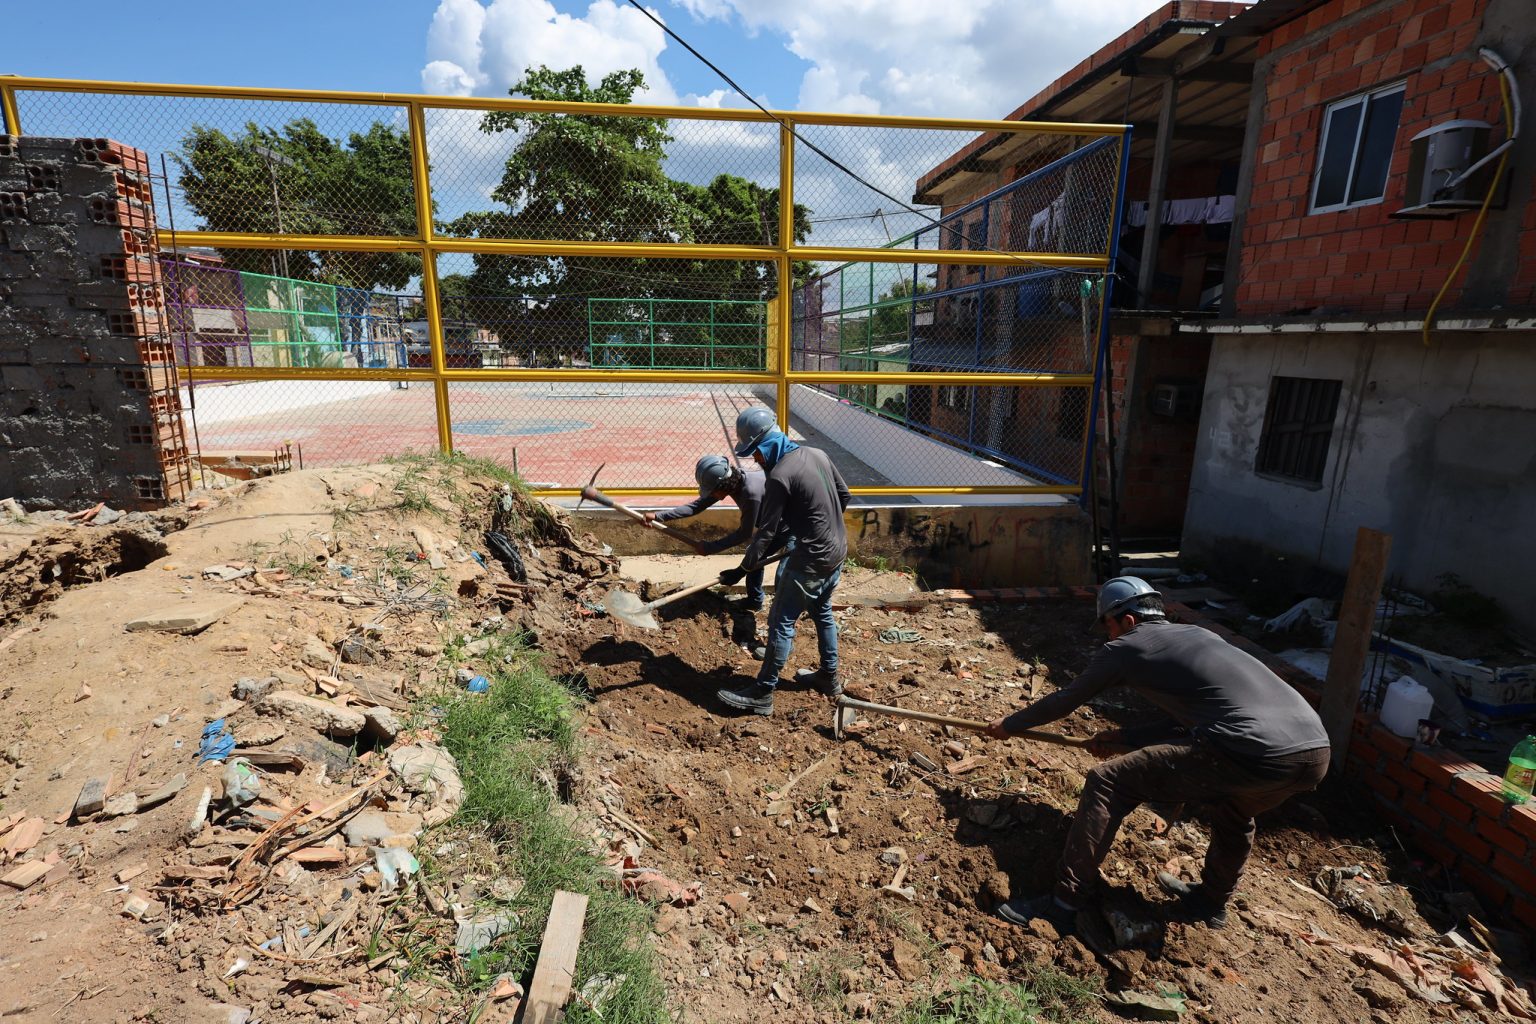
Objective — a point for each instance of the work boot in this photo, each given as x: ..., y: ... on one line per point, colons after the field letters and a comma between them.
x: 760, y: 651
x: 829, y: 686
x: 1021, y: 911
x: 1194, y: 906
x: 750, y: 696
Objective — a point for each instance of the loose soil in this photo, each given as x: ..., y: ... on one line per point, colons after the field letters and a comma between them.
x: 792, y: 922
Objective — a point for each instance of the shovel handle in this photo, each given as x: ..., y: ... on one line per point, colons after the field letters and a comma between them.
x: 698, y: 587
x: 959, y: 723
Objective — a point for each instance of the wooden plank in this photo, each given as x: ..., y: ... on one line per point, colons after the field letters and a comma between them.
x: 26, y: 874
x: 551, y: 985
x: 1352, y: 641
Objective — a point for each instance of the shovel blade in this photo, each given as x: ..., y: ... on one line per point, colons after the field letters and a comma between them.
x: 626, y: 607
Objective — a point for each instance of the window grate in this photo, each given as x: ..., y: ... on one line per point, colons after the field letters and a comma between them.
x: 1298, y: 426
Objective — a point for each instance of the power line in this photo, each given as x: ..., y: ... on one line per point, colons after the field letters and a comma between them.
x: 971, y: 242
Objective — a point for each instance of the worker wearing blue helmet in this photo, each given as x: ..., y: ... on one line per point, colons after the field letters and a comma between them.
x: 803, y: 501
x: 718, y: 479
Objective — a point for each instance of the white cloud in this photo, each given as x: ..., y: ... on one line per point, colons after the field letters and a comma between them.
x: 980, y: 58
x: 476, y: 48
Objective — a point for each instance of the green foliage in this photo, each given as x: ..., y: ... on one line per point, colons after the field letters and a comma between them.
x: 512, y: 743
x: 602, y: 178
x: 1046, y: 995
x: 360, y: 186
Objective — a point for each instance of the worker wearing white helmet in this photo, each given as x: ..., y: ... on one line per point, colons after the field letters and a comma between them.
x: 718, y: 480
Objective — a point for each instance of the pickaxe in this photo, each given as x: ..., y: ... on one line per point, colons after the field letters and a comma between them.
x: 848, y: 706
x: 591, y: 493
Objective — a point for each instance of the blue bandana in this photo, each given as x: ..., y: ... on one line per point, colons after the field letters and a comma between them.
x: 774, y: 447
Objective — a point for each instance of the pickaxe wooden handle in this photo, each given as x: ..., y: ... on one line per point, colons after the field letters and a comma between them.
x: 959, y: 723
x: 590, y: 493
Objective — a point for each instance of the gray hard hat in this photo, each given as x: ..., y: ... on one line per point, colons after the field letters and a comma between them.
x: 713, y: 473
x: 1122, y: 595
x: 755, y: 423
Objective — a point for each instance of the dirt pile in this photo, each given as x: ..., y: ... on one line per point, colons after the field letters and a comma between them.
x: 272, y: 878
x: 794, y: 877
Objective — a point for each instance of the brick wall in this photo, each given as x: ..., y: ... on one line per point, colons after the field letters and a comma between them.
x: 1157, y: 453
x: 1361, y: 259
x: 89, y: 407
x: 1448, y: 806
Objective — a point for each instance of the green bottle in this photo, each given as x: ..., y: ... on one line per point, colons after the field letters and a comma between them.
x: 1521, y: 776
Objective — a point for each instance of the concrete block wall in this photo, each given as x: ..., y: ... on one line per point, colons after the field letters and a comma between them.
x: 1362, y: 259
x: 89, y: 409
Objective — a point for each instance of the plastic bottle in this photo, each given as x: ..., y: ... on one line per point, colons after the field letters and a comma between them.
x: 1407, y: 702
x: 1521, y: 774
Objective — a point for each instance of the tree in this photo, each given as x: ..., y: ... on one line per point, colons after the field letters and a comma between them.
x: 324, y: 186
x: 602, y: 178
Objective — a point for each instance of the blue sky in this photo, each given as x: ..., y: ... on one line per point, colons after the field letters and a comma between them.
x: 979, y: 58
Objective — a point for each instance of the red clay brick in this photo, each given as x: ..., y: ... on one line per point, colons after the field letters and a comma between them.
x: 1412, y: 782
x: 1468, y: 845
x: 1500, y: 835
x: 1449, y: 805
x: 1516, y: 870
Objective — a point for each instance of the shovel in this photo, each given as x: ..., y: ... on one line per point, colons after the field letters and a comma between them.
x: 626, y: 607
x: 847, y: 709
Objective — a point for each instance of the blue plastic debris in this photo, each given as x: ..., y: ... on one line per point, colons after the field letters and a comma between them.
x: 345, y: 570
x: 477, y: 556
x: 479, y: 684
x: 217, y: 742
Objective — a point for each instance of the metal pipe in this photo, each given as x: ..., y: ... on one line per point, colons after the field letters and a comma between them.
x: 35, y: 84
x: 8, y: 111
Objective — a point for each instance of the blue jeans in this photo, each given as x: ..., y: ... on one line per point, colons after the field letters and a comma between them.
x: 755, y: 592
x: 797, y: 592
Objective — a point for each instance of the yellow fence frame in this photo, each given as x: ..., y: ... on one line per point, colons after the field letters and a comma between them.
x: 429, y: 245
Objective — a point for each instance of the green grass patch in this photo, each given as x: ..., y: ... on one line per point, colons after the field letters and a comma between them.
x: 515, y: 745
x: 1047, y: 995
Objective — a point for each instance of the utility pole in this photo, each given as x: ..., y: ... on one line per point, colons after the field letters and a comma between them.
x: 273, y: 158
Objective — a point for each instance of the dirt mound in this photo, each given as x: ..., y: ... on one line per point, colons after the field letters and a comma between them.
x: 71, y: 557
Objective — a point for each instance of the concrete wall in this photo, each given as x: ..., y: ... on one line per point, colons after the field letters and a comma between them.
x: 949, y: 546
x: 88, y: 404
x: 1436, y: 446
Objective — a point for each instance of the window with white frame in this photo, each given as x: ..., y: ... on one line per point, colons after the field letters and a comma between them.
x: 1356, y: 149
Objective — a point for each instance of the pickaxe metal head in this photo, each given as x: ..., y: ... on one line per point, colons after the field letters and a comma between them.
x: 842, y: 719
x: 592, y: 483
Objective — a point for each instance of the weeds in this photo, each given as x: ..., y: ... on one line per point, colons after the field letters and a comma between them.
x: 1046, y: 995
x: 821, y: 983
x: 512, y: 744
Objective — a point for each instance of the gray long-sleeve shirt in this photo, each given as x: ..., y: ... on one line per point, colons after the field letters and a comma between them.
x: 804, y: 499
x: 1202, y: 683
x: 749, y: 500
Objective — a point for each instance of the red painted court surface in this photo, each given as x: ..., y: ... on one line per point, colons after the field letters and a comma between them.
x: 643, y: 435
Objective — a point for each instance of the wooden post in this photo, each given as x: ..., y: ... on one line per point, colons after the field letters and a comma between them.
x: 1352, y: 640
x: 551, y: 985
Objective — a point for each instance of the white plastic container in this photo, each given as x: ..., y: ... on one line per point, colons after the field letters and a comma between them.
x: 1407, y: 702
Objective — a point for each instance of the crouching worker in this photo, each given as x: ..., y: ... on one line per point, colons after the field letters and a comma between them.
x: 803, y: 501
x: 1236, y: 738
x: 718, y: 480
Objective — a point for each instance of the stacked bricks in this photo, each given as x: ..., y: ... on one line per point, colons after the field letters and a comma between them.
x: 1362, y: 260
x: 89, y: 406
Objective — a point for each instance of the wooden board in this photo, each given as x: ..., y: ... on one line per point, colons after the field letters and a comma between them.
x: 26, y: 874
x: 551, y: 985
x: 1352, y: 641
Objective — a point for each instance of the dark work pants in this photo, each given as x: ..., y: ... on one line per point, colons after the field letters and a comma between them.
x: 1177, y: 773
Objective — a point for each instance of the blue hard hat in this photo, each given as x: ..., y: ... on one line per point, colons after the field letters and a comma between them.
x: 755, y: 423
x: 1122, y: 595
x: 713, y: 473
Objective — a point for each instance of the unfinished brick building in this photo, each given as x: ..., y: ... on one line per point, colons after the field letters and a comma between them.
x: 89, y: 407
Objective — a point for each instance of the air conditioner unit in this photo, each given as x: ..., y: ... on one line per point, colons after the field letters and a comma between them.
x: 1438, y: 156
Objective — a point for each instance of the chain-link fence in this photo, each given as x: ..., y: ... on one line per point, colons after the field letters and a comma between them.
x: 560, y: 284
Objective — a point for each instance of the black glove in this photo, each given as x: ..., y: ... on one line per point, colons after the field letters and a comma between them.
x: 731, y: 577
